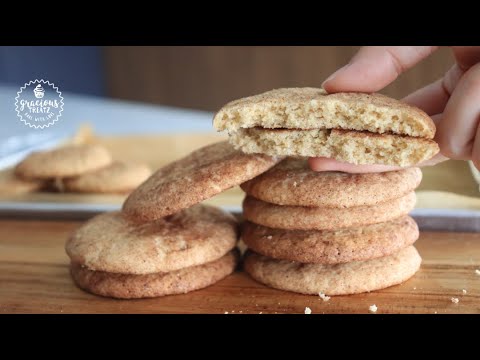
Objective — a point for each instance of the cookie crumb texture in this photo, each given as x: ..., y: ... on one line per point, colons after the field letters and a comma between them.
x: 313, y: 108
x: 373, y: 308
x: 307, y: 310
x: 353, y: 147
x: 124, y: 286
x: 342, y: 279
x: 323, y: 296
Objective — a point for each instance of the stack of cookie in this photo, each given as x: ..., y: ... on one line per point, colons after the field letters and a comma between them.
x: 163, y: 242
x: 329, y: 232
x: 84, y: 168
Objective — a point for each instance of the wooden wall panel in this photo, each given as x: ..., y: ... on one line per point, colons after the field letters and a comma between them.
x: 207, y: 77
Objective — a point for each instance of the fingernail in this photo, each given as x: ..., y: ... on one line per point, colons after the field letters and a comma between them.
x: 335, y: 74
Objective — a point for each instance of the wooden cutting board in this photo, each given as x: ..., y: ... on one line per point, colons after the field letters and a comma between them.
x: 34, y: 278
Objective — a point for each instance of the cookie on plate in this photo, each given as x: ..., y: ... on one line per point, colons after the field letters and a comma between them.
x: 14, y: 185
x: 67, y: 161
x: 340, y: 279
x: 118, y: 177
x: 333, y: 246
x: 192, y: 179
x: 292, y: 182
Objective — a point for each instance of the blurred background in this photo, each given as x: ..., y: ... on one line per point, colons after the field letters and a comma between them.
x: 197, y: 77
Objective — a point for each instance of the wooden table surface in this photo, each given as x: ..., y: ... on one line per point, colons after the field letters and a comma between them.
x: 34, y: 278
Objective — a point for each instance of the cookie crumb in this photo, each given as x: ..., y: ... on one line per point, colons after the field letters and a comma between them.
x: 240, y: 311
x: 226, y: 312
x: 373, y: 308
x: 260, y: 312
x: 269, y: 237
x: 295, y: 184
x: 415, y: 288
x: 464, y: 292
x: 435, y: 312
x: 323, y: 296
x: 308, y: 311
x: 477, y: 271
x: 454, y: 300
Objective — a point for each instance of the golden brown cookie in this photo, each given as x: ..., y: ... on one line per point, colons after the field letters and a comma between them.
x: 354, y: 147
x: 292, y: 182
x: 13, y: 185
x: 118, y: 177
x: 340, y: 279
x: 110, y: 242
x: 66, y: 161
x: 181, y: 281
x: 324, y: 218
x: 311, y: 108
x: 334, y: 246
x: 192, y: 179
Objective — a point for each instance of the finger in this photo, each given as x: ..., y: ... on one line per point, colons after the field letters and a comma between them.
x: 374, y: 67
x: 437, y: 159
x: 458, y: 126
x: 327, y: 164
x: 466, y: 56
x: 476, y: 149
x: 433, y: 97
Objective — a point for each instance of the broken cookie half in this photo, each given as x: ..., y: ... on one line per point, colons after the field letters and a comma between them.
x: 356, y: 128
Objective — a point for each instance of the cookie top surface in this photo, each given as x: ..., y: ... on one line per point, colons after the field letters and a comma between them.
x: 292, y: 182
x: 71, y: 160
x: 340, y: 279
x: 124, y: 286
x: 334, y: 246
x: 118, y: 177
x: 194, y: 178
x: 110, y: 242
x: 312, y: 108
x: 324, y: 218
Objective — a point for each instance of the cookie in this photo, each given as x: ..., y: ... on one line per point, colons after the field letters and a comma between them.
x: 311, y: 108
x: 118, y: 177
x: 110, y: 242
x: 353, y: 147
x: 13, y: 185
x: 181, y: 281
x: 292, y: 182
x: 324, y: 218
x: 192, y: 179
x: 334, y: 246
x: 66, y: 161
x: 340, y: 279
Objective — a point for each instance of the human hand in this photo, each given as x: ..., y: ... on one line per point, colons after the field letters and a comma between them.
x: 453, y: 102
